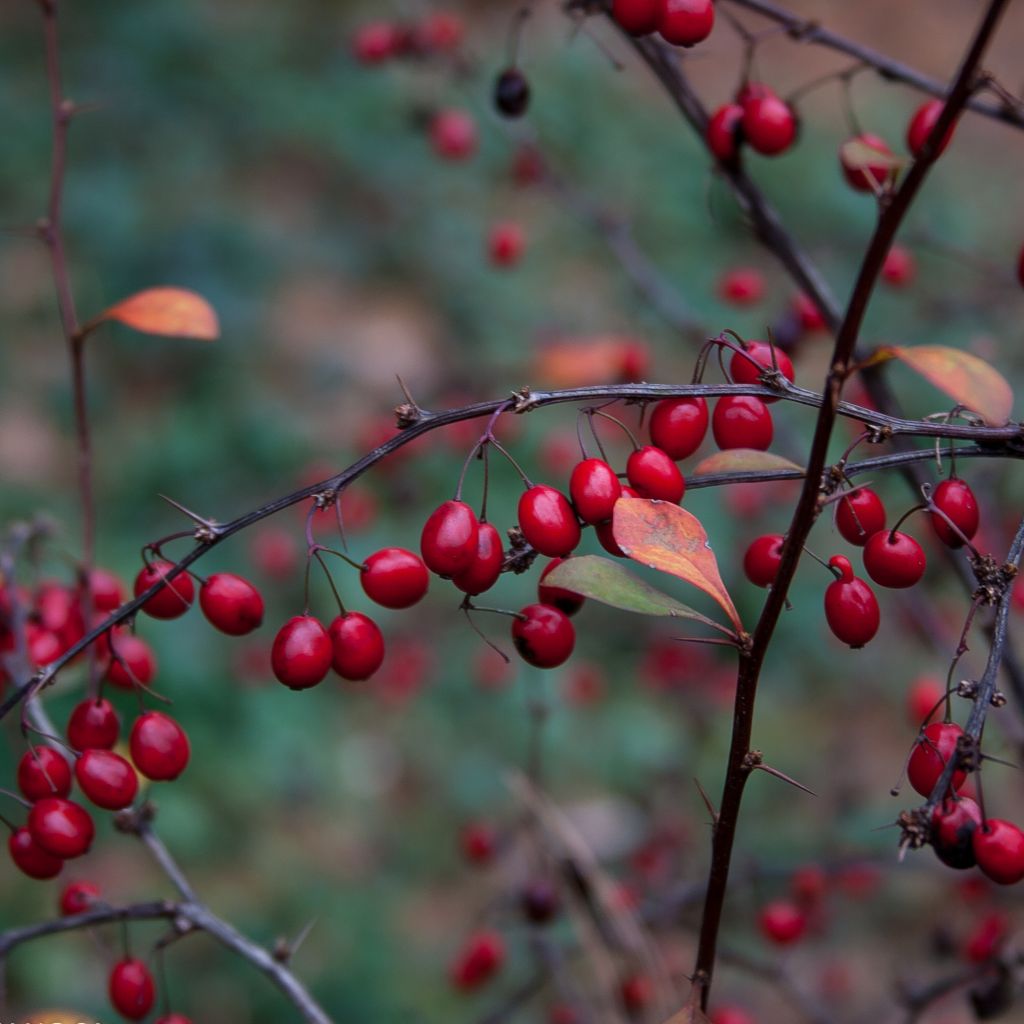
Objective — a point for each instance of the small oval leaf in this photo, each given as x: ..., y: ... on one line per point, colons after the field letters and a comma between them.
x: 858, y: 155
x: 743, y: 460
x: 968, y: 380
x: 664, y: 536
x: 168, y: 311
x: 613, y: 584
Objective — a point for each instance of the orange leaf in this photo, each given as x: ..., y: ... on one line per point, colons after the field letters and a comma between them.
x: 169, y: 311
x: 664, y: 536
x: 968, y: 380
x: 743, y: 460
x: 603, y: 359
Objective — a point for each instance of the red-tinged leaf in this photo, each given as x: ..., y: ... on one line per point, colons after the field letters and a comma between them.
x: 664, y: 536
x: 968, y: 380
x: 743, y: 460
x: 174, y: 312
x: 601, y: 359
x: 857, y: 155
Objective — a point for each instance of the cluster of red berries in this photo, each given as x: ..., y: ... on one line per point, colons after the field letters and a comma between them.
x: 679, y: 22
x: 440, y: 32
x: 758, y: 118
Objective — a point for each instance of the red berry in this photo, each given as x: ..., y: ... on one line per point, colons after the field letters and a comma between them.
x: 61, y: 827
x: 953, y: 824
x: 505, y: 244
x: 730, y: 1015
x: 93, y: 723
x: 394, y: 578
x: 357, y: 644
x: 605, y: 532
x: 723, y: 134
x: 594, y: 489
x: 988, y: 935
x: 931, y: 754
x: 859, y: 515
x: 448, y: 542
x: 453, y: 135
x: 43, y: 772
x: 857, y: 159
x: 807, y: 312
x: 686, y: 22
x: 742, y: 421
x: 894, y: 559
x: 485, y: 569
x: 543, y: 635
x: 637, y: 17
x: 636, y: 992
x: 923, y: 699
x: 999, y: 849
x: 107, y: 779
x: 548, y: 521
x: 921, y: 125
x: 479, y: 960
x: 742, y: 287
x: 139, y: 662
x: 809, y: 885
x: 375, y: 42
x: 30, y: 858
x: 769, y: 124
x: 899, y: 267
x: 781, y: 922
x: 231, y: 604
x: 105, y: 590
x: 762, y: 560
x: 442, y: 30
x: 78, y: 897
x: 567, y: 601
x: 957, y: 500
x: 850, y: 606
x: 746, y: 368
x: 678, y: 426
x: 478, y: 842
x: 173, y: 599
x: 653, y: 474
x: 159, y: 746
x: 301, y: 655
x: 131, y: 989
x: 43, y: 646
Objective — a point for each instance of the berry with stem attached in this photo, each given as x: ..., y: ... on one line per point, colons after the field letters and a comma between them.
x: 594, y: 489
x: 543, y: 635
x: 747, y: 368
x: 448, y: 542
x: 936, y: 745
x: 78, y: 897
x: 742, y: 421
x: 763, y: 558
x: 850, y: 605
x: 999, y: 849
x: 859, y: 515
x: 133, y: 664
x: 894, y: 559
x: 394, y: 578
x: 357, y: 645
x: 131, y: 989
x: 43, y: 772
x: 173, y: 599
x: 678, y: 425
x: 866, y: 161
x: 301, y: 655
x: 686, y: 22
x: 107, y: 779
x: 159, y: 746
x: 548, y: 521
x: 231, y: 604
x: 954, y: 823
x: 61, y: 827
x: 956, y: 499
x: 485, y: 569
x: 921, y: 125
x: 30, y: 858
x: 93, y: 723
x: 769, y: 124
x: 637, y: 17
x: 653, y: 474
x: 512, y: 92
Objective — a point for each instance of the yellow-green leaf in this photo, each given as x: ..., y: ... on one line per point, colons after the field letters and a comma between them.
x: 743, y: 460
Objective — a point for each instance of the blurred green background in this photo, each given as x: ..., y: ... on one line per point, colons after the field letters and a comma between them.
x: 240, y: 150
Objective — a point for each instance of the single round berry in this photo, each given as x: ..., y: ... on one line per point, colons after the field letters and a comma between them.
x: 159, y: 746
x: 678, y: 426
x: 301, y: 655
x: 131, y: 989
x: 957, y: 501
x: 485, y: 569
x: 637, y: 17
x: 923, y: 698
x: 453, y: 135
x: 61, y: 827
x: 747, y: 368
x: 742, y: 287
x: 43, y: 772
x: 782, y: 922
x: 107, y: 779
x: 594, y: 489
x: 43, y: 646
x: 357, y: 645
x: 442, y: 30
x: 742, y: 421
x: 30, y: 858
x: 173, y: 598
x: 931, y: 754
x: 850, y: 606
x: 512, y: 92
x: 921, y: 125
x: 448, y: 542
x: 478, y: 842
x: 763, y: 558
x: 731, y: 1015
x: 899, y: 267
x: 543, y: 635
x: 505, y: 244
x: 724, y: 132
x: 808, y: 313
x: 133, y: 664
x: 769, y: 124
x: 105, y: 590
x: 93, y: 723
x: 548, y: 521
x: 894, y: 559
x: 231, y: 604
x: 686, y: 22
x: 860, y: 515
x: 78, y: 897
x: 479, y: 960
x: 567, y: 601
x: 999, y: 849
x: 375, y: 42
x: 954, y: 822
x: 653, y: 474
x: 540, y: 901
x: 866, y: 161
x: 394, y: 578
x: 636, y: 992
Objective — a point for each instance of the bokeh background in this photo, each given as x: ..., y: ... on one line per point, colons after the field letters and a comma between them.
x: 239, y: 149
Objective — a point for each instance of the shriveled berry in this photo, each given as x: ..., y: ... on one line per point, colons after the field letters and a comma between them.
x: 448, y: 542
x: 742, y: 421
x: 78, y: 897
x: 357, y: 645
x: 567, y: 601
x: 30, y: 858
x: 763, y: 558
x: 999, y: 849
x: 159, y: 746
x: 543, y: 635
x: 653, y: 474
x: 954, y: 822
x: 956, y: 499
x: 173, y: 599
x: 851, y: 608
x: 93, y: 723
x: 859, y: 515
x: 931, y: 754
x: 548, y: 521
x: 301, y: 655
x: 394, y: 578
x: 678, y: 426
x: 594, y: 489
x: 61, y: 827
x: 107, y: 779
x: 894, y: 559
x: 231, y: 604
x: 131, y: 989
x: 43, y: 772
x: 485, y: 569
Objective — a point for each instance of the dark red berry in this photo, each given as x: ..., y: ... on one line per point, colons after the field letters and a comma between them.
x: 686, y: 22
x: 923, y: 699
x: 548, y: 521
x: 540, y: 901
x: 43, y: 772
x: 953, y: 824
x: 231, y: 604
x: 567, y: 601
x: 159, y: 746
x: 395, y: 578
x: 850, y: 606
x: 999, y: 849
x: 483, y: 573
x: 653, y: 474
x: 637, y: 17
x: 43, y: 646
x: 723, y: 133
x: 301, y: 655
x: 375, y: 42
x: 636, y: 992
x: 107, y: 779
x: 30, y: 858
x: 769, y: 124
x: 479, y: 959
x: 505, y: 244
x: 899, y: 267
x: 678, y: 426
x: 448, y: 542
x: 894, y: 559
x: 93, y: 723
x: 131, y: 989
x: 134, y: 663
x: 743, y: 286
x: 862, y: 170
x: 605, y: 532
x: 512, y: 92
x: 478, y: 842
x: 921, y: 125
x: 782, y: 923
x: 859, y: 515
x: 172, y: 599
x: 731, y: 1015
x: 808, y: 313
x: 78, y: 897
x: 105, y: 590
x: 762, y: 560
x: 543, y: 635
x: 453, y: 135
x: 594, y: 489
x: 357, y: 644
x: 61, y: 827
x: 931, y: 754
x: 747, y: 368
x: 957, y: 501
x: 742, y: 421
